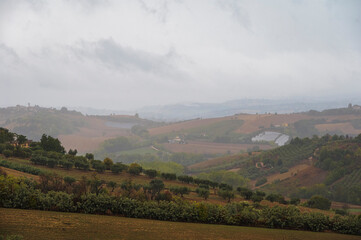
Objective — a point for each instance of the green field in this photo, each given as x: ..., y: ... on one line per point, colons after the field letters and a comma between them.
x: 33, y: 224
x: 107, y: 175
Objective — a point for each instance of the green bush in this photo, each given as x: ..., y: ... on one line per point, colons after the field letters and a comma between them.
x: 319, y: 202
x: 150, y: 173
x: 22, y: 193
x: 7, y: 153
x: 316, y: 222
x: 21, y: 167
x: 261, y: 181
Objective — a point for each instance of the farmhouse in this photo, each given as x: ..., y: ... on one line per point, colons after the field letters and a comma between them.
x: 23, y: 145
x: 177, y: 139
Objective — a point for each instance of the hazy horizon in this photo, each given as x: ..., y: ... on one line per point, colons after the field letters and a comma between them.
x: 124, y: 55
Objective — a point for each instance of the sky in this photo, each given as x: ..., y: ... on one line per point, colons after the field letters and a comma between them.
x: 127, y: 54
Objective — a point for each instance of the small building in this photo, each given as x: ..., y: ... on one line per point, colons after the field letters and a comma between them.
x: 177, y: 139
x: 23, y: 145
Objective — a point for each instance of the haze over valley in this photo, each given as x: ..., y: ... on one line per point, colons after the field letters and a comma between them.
x: 180, y: 119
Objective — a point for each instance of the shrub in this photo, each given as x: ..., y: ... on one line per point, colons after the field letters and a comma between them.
x: 261, y: 181
x: 245, y: 193
x: 8, y: 153
x: 319, y: 202
x: 315, y: 221
x: 118, y: 167
x: 150, y: 173
x: 99, y: 166
x: 282, y: 217
x: 186, y: 179
x: 203, y: 192
x: 179, y: 190
x: 169, y: 176
x: 108, y: 163
x: 295, y: 201
x: 135, y: 169
x: 256, y: 198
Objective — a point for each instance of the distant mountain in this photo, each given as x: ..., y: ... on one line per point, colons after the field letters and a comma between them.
x: 185, y: 111
x: 100, y: 112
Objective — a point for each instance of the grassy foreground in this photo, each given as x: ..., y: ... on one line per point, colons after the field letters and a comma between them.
x: 33, y: 224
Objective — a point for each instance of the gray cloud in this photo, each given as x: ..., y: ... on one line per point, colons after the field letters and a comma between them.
x: 125, y: 54
x: 121, y: 58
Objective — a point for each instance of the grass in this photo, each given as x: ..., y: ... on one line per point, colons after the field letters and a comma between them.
x: 142, y: 151
x: 107, y: 175
x: 34, y: 224
x: 354, y: 210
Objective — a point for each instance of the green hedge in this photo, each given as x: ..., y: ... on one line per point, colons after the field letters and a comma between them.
x: 21, y: 167
x: 16, y: 193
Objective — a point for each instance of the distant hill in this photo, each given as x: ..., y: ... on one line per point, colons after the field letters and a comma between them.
x: 186, y: 111
x: 73, y: 128
x: 207, y: 136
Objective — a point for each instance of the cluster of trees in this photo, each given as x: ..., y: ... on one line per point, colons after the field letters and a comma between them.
x: 11, y: 145
x: 88, y: 197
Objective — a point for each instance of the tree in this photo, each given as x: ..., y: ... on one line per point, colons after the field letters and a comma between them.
x: 21, y: 139
x: 203, y: 192
x: 135, y: 169
x: 179, y: 190
x: 245, y: 193
x: 69, y: 180
x: 226, y: 194
x: 275, y: 198
x: 89, y: 156
x: 261, y: 181
x: 295, y: 201
x: 108, y: 163
x: 72, y: 152
x: 112, y: 185
x: 185, y: 179
x: 256, y: 198
x: 96, y: 184
x: 155, y: 186
x: 7, y: 153
x: 49, y: 144
x: 6, y: 136
x: 150, y: 173
x: 169, y: 176
x: 319, y: 202
x: 118, y: 167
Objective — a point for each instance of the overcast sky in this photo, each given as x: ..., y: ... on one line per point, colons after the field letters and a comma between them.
x: 127, y: 54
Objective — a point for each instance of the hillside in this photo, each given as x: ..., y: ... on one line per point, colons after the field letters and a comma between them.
x: 329, y: 166
x: 209, y: 138
x: 75, y: 130
x: 38, y: 224
x: 67, y: 182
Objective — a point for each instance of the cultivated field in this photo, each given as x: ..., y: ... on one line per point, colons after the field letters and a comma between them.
x: 88, y: 138
x: 345, y: 128
x: 32, y: 224
x: 293, y: 171
x: 185, y: 125
x: 211, y: 148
